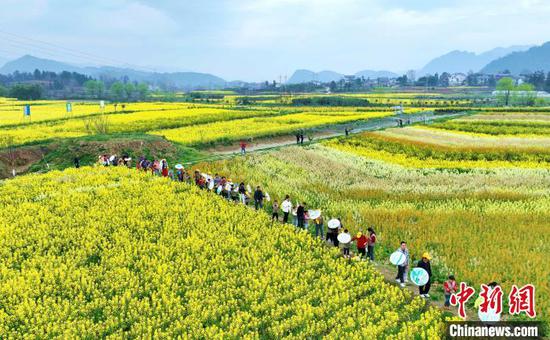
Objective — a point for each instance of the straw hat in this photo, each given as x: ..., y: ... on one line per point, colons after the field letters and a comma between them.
x: 426, y: 255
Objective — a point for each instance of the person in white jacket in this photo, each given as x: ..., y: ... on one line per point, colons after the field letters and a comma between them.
x: 286, y: 207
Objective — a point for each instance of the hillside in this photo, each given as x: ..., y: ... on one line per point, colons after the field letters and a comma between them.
x: 306, y: 76
x: 182, y: 80
x: 370, y: 74
x: 175, y: 261
x: 534, y: 59
x: 463, y: 61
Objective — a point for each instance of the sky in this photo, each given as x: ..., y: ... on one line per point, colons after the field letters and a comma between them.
x: 256, y: 40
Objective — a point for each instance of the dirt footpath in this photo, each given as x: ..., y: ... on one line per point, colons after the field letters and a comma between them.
x: 325, y: 133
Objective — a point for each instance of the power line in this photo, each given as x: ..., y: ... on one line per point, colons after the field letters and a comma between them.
x: 57, y: 50
x: 72, y: 51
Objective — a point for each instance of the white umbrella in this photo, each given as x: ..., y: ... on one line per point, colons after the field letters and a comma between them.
x: 398, y: 258
x: 333, y: 224
x: 313, y: 214
x: 179, y: 166
x: 344, y: 238
x: 419, y: 276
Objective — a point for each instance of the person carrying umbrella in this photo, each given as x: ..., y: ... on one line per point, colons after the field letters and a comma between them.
x: 424, y: 263
x: 345, y: 245
x: 401, y: 269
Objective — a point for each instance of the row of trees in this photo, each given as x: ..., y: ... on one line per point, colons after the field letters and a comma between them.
x: 539, y: 80
x: 94, y: 89
x: 22, y: 91
x: 117, y: 91
x: 45, y: 84
x: 508, y: 93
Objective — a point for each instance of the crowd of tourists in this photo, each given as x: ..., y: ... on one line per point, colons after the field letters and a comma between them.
x: 333, y: 232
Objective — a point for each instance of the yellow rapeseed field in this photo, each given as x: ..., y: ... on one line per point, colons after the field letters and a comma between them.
x: 97, y: 252
x: 480, y: 224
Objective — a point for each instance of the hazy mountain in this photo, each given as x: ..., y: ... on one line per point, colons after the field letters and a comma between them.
x: 306, y: 76
x: 184, y: 80
x: 535, y: 59
x: 370, y: 74
x: 463, y: 61
x: 29, y: 63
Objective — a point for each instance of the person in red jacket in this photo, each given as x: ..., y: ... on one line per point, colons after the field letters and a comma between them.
x: 450, y: 288
x: 243, y: 147
x: 371, y: 244
x: 361, y: 243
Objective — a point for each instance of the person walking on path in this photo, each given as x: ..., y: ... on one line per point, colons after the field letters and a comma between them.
x: 243, y: 147
x: 258, y: 198
x: 401, y: 270
x: 164, y: 166
x: 346, y: 246
x: 371, y: 243
x: 286, y: 207
x: 319, y: 227
x: 76, y: 162
x: 242, y: 193
x: 302, y: 138
x: 275, y: 211
x: 301, y: 215
x: 361, y: 241
x: 332, y: 233
x: 449, y: 288
x: 424, y: 263
x: 297, y: 138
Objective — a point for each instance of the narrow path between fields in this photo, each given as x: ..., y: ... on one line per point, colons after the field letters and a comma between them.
x: 313, y: 135
x: 435, y: 299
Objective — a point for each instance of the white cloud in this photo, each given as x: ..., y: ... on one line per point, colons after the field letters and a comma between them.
x: 260, y: 39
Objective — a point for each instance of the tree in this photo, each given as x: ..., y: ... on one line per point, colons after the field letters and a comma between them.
x: 444, y: 79
x: 94, y: 88
x: 403, y: 80
x: 129, y: 89
x: 525, y: 94
x: 143, y: 90
x: 3, y: 91
x: 26, y: 91
x: 505, y: 85
x: 333, y: 87
x: 547, y: 83
x: 118, y: 91
x: 537, y: 79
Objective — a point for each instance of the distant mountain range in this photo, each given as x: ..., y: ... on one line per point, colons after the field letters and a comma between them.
x: 535, y: 59
x: 516, y: 59
x: 306, y: 76
x: 498, y: 59
x: 182, y: 80
x: 463, y: 61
